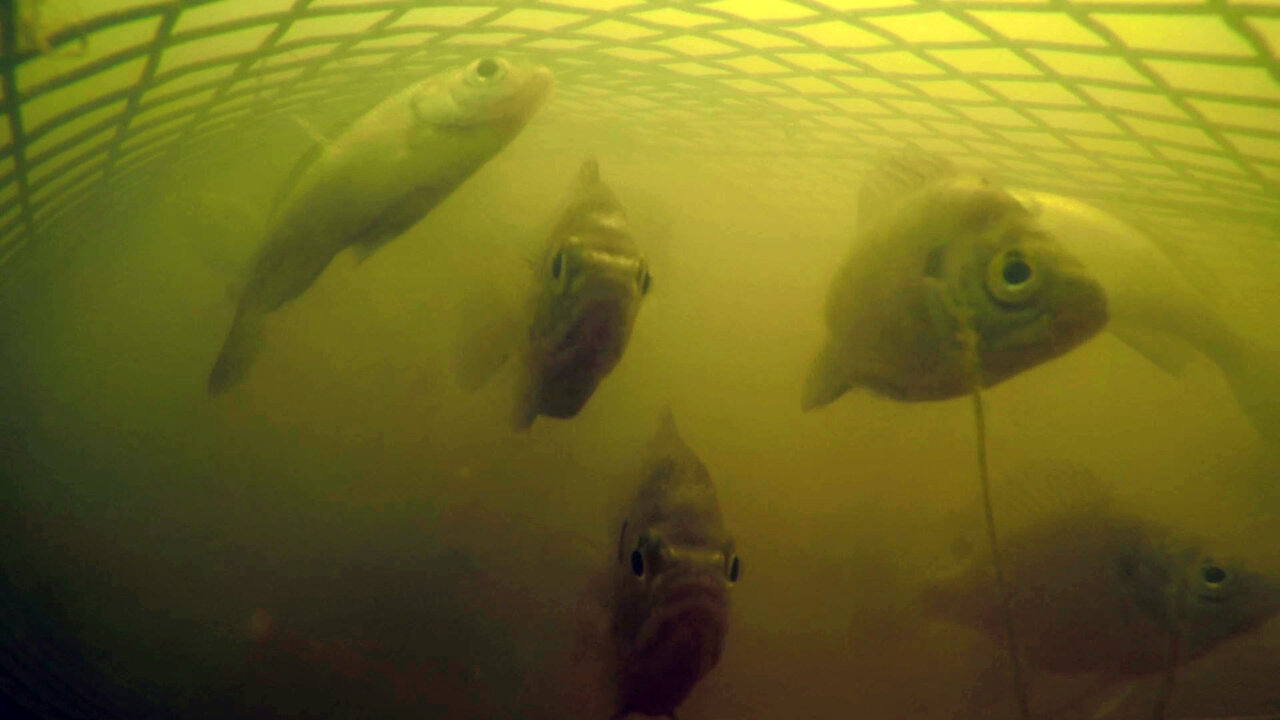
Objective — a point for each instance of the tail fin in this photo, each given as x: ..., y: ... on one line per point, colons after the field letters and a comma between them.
x: 237, y: 354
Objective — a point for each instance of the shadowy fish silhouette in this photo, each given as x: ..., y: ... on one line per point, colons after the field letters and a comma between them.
x: 1097, y: 591
x: 937, y: 255
x: 375, y: 181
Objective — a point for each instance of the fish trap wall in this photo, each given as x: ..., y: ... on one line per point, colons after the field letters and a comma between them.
x: 1169, y: 112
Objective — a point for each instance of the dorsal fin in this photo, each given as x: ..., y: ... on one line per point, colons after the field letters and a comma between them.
x: 897, y: 174
x: 589, y: 173
x: 308, y: 158
x: 665, y: 443
x: 320, y: 142
x: 667, y: 425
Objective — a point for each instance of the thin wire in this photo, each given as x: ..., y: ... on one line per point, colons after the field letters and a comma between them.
x: 968, y: 338
x: 1161, y: 708
x: 1006, y: 614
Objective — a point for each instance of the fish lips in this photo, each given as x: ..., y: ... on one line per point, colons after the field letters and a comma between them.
x: 533, y: 92
x: 509, y: 105
x: 1083, y: 316
x: 598, y: 336
x: 686, y: 625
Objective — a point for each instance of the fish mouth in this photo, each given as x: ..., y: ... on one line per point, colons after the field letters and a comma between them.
x: 1082, y: 318
x: 538, y: 88
x: 597, y: 337
x: 686, y: 625
x: 532, y: 94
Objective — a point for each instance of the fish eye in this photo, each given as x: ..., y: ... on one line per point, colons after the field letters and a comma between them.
x: 1214, y: 576
x: 556, y: 263
x: 1012, y: 277
x: 488, y: 70
x: 733, y: 569
x: 1016, y: 272
x: 637, y: 563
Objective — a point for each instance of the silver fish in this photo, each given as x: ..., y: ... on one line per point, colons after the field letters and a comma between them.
x: 1095, y: 590
x: 1156, y: 311
x: 587, y: 288
x: 373, y: 182
x: 670, y: 581
x: 938, y: 253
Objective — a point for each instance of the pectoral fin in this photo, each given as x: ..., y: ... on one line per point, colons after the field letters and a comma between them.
x: 827, y: 379
x: 488, y: 334
x: 524, y: 411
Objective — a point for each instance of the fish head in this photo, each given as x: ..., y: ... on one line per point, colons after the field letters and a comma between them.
x: 597, y: 291
x: 1031, y: 300
x: 674, y: 567
x: 592, y: 280
x: 487, y: 91
x: 1223, y: 600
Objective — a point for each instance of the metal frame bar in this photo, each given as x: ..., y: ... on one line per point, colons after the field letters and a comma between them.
x: 904, y: 111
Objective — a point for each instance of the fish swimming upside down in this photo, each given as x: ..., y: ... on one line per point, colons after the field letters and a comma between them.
x: 375, y: 181
x: 940, y: 255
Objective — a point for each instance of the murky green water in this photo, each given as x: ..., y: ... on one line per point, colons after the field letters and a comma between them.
x: 350, y: 535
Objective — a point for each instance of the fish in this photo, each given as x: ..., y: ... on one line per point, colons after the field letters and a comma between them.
x: 1098, y: 591
x: 938, y: 257
x: 588, y: 284
x: 670, y: 580
x: 374, y: 181
x: 1157, y: 311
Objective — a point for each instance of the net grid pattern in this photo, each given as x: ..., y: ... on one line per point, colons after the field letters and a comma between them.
x: 1169, y: 109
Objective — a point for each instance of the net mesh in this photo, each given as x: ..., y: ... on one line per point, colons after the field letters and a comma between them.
x: 1167, y: 111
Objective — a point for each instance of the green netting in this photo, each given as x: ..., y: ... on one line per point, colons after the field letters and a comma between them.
x: 1169, y: 111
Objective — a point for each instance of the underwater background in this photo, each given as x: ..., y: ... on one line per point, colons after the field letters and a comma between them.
x: 350, y: 535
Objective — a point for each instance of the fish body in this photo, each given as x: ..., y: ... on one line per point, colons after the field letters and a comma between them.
x: 370, y: 184
x: 940, y: 256
x: 1095, y: 590
x: 669, y: 582
x: 588, y: 283
x: 1156, y: 311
